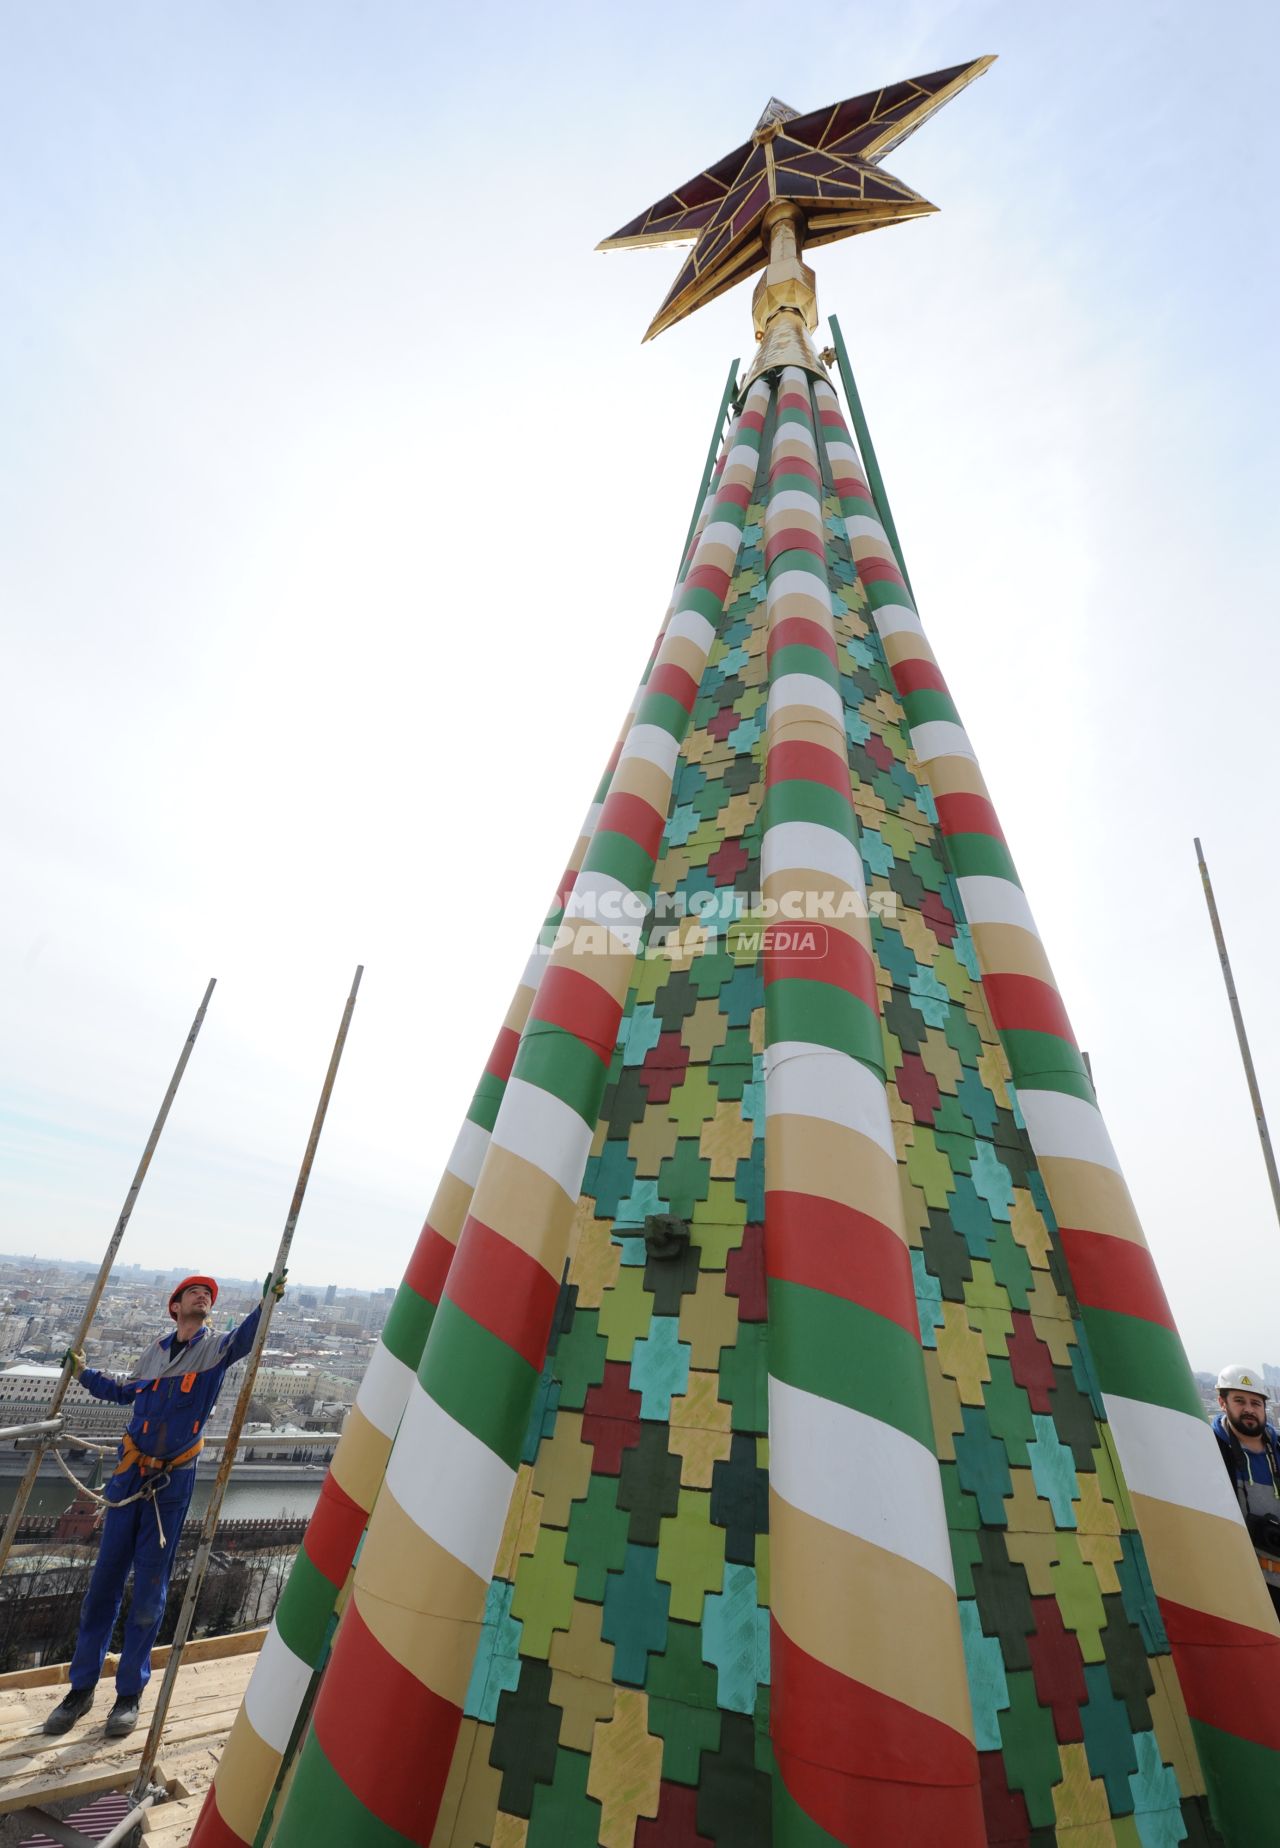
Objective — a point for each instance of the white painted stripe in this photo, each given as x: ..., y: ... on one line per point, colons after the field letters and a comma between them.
x: 990, y: 900
x: 1170, y: 1456
x: 468, y: 1152
x: 814, y: 1081
x: 654, y: 744
x: 792, y: 432
x: 742, y: 456
x: 534, y: 967
x: 840, y: 451
x: 590, y: 821
x: 1067, y: 1126
x: 804, y: 690
x: 799, y: 584
x: 690, y: 626
x: 792, y: 846
x: 602, y: 900
x: 720, y: 532
x: 940, y: 738
x: 450, y: 1484
x: 897, y: 619
x: 868, y: 533
x: 860, y: 1475
x: 544, y: 1131
x: 384, y: 1390
x: 791, y: 500
x: 275, y: 1692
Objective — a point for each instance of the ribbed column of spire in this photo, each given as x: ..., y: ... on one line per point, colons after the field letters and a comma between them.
x: 870, y: 1716
x: 390, y: 1705
x: 1212, y: 1598
x: 300, y: 1630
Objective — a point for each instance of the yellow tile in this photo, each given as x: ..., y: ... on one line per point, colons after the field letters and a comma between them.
x: 1080, y: 1802
x: 726, y: 1140
x: 562, y: 1473
x: 962, y: 1354
x: 709, y: 1320
x: 626, y: 1769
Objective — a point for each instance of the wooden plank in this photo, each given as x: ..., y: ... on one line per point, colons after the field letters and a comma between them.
x: 83, y: 1762
x: 202, y: 1649
x: 169, y: 1825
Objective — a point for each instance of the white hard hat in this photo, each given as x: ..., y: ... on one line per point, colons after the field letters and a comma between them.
x: 1242, y: 1379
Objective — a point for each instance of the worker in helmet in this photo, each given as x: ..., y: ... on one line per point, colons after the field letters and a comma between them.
x: 172, y: 1393
x: 1251, y: 1451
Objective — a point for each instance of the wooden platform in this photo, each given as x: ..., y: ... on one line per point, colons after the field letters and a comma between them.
x: 35, y: 1770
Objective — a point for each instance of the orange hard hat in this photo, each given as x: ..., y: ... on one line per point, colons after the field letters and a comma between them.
x: 210, y: 1284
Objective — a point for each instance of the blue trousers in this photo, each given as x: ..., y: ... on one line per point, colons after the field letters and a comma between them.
x: 131, y: 1540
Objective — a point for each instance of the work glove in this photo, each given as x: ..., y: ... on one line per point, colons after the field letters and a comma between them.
x: 75, y: 1360
x: 278, y: 1291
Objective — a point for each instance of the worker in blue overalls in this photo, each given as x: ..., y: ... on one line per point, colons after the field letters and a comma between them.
x: 173, y: 1392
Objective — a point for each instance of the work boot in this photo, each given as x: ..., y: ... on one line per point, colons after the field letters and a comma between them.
x: 123, y: 1717
x: 75, y: 1703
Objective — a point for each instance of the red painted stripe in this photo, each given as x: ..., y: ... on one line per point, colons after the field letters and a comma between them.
x: 789, y: 399
x: 852, y: 487
x: 752, y: 420
x: 734, y: 494
x: 707, y: 577
x: 828, y: 1246
x: 1111, y: 1273
x: 793, y: 539
x: 212, y: 1829
x: 503, y: 1289
x: 570, y: 999
x: 878, y: 570
x: 962, y: 814
x: 872, y: 1771
x: 807, y: 950
x: 333, y: 1532
x: 1228, y: 1672
x: 367, y: 1699
x: 796, y: 760
x: 503, y: 1055
x: 801, y: 632
x: 916, y: 676
x: 634, y: 817
x: 429, y: 1265
x: 1025, y: 1003
x: 830, y: 420
x: 674, y: 680
x: 795, y: 465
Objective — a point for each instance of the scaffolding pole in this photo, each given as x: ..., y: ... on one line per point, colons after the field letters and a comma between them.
x: 204, y: 1547
x: 1251, y: 1077
x: 32, y: 1470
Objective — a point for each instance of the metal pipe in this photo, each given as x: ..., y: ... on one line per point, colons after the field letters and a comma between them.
x: 1251, y: 1077
x: 45, y: 1426
x: 875, y: 479
x: 730, y: 393
x: 126, y: 1824
x: 32, y: 1470
x: 204, y: 1548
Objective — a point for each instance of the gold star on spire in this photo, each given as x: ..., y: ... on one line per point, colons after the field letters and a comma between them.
x: 817, y: 174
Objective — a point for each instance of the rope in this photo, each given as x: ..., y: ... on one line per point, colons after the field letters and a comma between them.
x: 145, y: 1493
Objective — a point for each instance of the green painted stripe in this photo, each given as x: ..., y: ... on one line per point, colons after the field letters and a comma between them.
x: 557, y: 1061
x: 318, y: 1807
x: 484, y: 1385
x: 796, y: 559
x: 705, y: 602
x: 928, y: 704
x: 1070, y: 1084
x: 791, y: 1827
x: 845, y: 1352
x: 1243, y: 1780
x: 797, y: 658
x: 797, y: 799
x: 883, y: 592
x: 662, y: 709
x: 1141, y: 1360
x: 981, y: 855
x: 304, y: 1611
x: 824, y: 1015
x: 488, y: 1096
x: 1036, y: 1058
x: 621, y: 858
x: 404, y: 1333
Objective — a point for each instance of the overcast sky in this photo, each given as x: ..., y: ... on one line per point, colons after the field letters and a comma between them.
x: 339, y: 504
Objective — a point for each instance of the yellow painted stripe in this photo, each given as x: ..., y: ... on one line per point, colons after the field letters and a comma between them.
x: 1204, y: 1562
x: 360, y: 1460
x: 869, y: 1615
x: 806, y: 1155
x: 1010, y: 950
x: 1090, y: 1198
x: 636, y: 776
x: 243, y: 1779
x: 906, y: 646
x: 525, y: 1206
x: 450, y: 1206
x: 438, y: 1651
x: 590, y: 948
x: 954, y: 776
